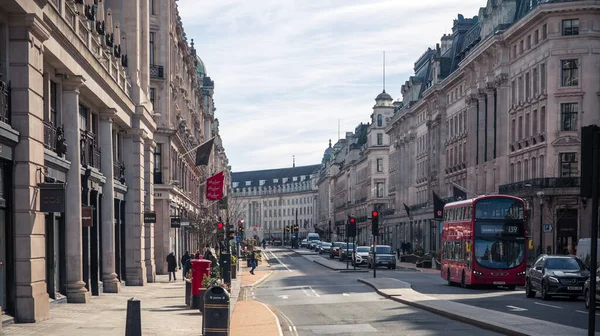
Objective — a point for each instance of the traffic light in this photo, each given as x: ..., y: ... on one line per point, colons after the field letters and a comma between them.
x: 351, y: 226
x: 296, y: 228
x: 220, y: 225
x: 241, y: 229
x: 287, y: 228
x: 375, y: 223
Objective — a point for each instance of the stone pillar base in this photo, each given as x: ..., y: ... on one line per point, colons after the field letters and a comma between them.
x: 77, y: 293
x: 32, y: 309
x: 111, y: 284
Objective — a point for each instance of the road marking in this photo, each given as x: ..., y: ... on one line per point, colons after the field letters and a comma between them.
x: 276, y: 318
x: 586, y: 312
x: 274, y: 256
x: 345, y: 294
x: 314, y: 291
x: 283, y: 296
x: 548, y: 305
x: 305, y: 292
x: 516, y: 309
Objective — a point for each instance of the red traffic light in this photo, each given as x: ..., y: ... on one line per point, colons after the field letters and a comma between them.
x: 375, y: 214
x: 352, y: 220
x: 220, y: 225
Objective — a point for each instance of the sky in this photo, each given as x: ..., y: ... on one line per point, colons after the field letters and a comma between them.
x: 287, y: 72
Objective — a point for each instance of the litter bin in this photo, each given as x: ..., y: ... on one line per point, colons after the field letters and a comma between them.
x: 215, y: 319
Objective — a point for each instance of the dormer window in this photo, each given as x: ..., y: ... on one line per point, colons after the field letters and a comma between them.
x: 262, y: 182
x: 285, y: 179
x: 275, y: 180
x: 248, y: 183
x: 295, y: 178
x: 379, y: 120
x: 236, y: 184
x: 302, y: 178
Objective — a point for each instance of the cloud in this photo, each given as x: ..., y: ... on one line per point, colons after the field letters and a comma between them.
x: 286, y: 71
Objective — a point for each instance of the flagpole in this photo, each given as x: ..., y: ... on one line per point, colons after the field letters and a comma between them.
x: 193, y: 149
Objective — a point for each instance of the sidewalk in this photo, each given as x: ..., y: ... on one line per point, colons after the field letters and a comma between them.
x: 504, y: 323
x: 163, y: 313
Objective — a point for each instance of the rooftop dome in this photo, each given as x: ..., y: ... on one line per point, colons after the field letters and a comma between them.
x: 327, y: 153
x: 384, y: 96
x: 200, y: 68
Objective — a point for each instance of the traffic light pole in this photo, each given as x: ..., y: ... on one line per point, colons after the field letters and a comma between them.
x: 347, y: 231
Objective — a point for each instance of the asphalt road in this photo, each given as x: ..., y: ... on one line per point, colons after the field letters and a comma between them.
x: 312, y: 300
x: 558, y: 310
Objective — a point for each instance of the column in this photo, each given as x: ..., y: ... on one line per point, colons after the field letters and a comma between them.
x: 76, y: 291
x: 491, y: 125
x: 502, y: 125
x: 25, y: 57
x: 149, y: 147
x: 110, y: 282
x: 481, y: 141
x: 135, y: 259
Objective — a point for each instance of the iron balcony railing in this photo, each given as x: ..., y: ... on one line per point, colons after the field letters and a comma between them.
x: 157, y: 71
x: 90, y: 152
x: 541, y: 183
x: 49, y: 136
x: 119, y: 171
x: 5, y: 108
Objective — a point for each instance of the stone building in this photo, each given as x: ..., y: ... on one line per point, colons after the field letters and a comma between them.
x: 266, y: 201
x: 497, y: 107
x: 353, y: 176
x: 77, y: 149
x: 182, y: 96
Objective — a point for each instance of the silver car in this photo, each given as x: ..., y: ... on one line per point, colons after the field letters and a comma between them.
x: 324, y: 248
x: 360, y: 255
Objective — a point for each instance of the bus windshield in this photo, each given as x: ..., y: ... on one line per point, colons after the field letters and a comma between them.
x: 498, y: 252
x: 499, y: 208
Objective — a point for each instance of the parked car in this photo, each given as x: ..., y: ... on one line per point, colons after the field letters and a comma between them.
x: 324, y: 248
x: 312, y: 244
x: 360, y: 255
x: 346, y: 250
x: 381, y: 255
x: 556, y: 275
x: 335, y: 250
x: 586, y: 290
x: 304, y: 242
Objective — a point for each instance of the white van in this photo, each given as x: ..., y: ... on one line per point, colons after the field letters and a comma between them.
x: 584, y: 246
x: 312, y: 236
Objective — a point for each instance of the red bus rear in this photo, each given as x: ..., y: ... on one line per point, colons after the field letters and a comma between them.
x: 484, y: 241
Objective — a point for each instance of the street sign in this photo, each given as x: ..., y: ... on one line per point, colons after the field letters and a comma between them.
x: 547, y: 228
x: 238, y: 239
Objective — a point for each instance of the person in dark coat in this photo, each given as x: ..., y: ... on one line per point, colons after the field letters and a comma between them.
x: 185, y: 263
x: 172, y: 265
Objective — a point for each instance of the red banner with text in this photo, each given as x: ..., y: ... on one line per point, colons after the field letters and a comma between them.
x: 214, y: 187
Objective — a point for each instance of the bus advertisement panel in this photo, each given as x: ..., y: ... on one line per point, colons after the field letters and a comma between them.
x: 484, y: 242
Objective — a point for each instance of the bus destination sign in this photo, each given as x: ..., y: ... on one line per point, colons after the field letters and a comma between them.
x: 492, y: 229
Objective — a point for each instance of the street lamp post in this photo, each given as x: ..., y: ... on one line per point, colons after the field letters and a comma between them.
x: 541, y: 196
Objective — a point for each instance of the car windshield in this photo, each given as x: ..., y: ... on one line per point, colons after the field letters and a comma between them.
x: 349, y: 246
x: 362, y: 249
x: 384, y: 250
x: 326, y: 244
x: 495, y: 253
x: 336, y: 244
x: 564, y: 264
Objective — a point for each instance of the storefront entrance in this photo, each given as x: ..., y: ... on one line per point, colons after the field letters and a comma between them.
x: 3, y: 240
x: 566, y: 231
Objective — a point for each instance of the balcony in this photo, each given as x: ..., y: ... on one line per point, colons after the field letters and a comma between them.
x: 119, y: 172
x: 5, y: 102
x: 54, y: 139
x: 157, y: 71
x: 527, y: 187
x: 90, y: 152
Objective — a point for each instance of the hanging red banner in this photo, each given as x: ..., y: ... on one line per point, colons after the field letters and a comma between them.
x: 214, y: 187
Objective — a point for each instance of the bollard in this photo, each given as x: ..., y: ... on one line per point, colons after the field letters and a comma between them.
x: 226, y: 267
x: 200, y: 268
x: 188, y: 292
x: 215, y: 319
x: 133, y: 324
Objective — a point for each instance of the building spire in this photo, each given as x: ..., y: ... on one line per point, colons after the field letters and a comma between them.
x: 384, y: 71
x: 293, y: 160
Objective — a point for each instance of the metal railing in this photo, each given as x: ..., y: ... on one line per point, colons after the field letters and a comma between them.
x: 157, y: 71
x: 5, y: 108
x: 541, y: 183
x: 49, y: 136
x: 90, y: 152
x: 119, y: 171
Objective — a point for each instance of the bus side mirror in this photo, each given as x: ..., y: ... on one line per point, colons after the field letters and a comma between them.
x: 539, y: 268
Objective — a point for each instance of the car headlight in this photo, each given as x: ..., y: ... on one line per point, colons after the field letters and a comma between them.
x: 553, y: 279
x: 477, y: 272
x: 521, y: 273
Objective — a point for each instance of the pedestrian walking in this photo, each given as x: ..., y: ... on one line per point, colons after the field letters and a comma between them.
x: 252, y: 262
x: 184, y: 260
x: 171, y: 265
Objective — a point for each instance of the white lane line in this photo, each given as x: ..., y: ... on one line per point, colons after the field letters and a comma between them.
x: 314, y: 291
x: 516, y: 309
x: 586, y: 312
x: 305, y: 292
x: 345, y: 294
x: 274, y: 256
x: 547, y: 305
x: 290, y: 327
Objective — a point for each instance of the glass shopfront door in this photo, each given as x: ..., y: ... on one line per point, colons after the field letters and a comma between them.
x: 3, y: 240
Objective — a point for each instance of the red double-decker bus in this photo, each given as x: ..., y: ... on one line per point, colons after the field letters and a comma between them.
x: 484, y: 242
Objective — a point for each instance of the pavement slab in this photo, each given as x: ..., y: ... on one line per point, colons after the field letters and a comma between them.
x: 507, y: 324
x: 254, y: 318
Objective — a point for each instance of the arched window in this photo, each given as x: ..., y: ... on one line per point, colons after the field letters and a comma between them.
x: 519, y: 172
x: 379, y: 120
x: 534, y: 172
x: 512, y: 173
x: 525, y: 170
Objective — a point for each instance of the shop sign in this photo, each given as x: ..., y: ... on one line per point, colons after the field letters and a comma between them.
x: 149, y: 217
x: 52, y: 197
x: 86, y: 216
x: 175, y: 222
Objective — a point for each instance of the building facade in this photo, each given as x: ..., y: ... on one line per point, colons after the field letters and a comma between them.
x: 266, y: 201
x: 182, y: 95
x: 78, y: 130
x: 497, y: 107
x: 353, y: 176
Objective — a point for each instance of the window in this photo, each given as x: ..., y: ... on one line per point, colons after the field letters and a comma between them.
x: 152, y: 49
x: 521, y: 47
x: 84, y: 115
x: 158, y: 163
x: 152, y: 8
x: 520, y: 88
x: 379, y: 120
x: 235, y: 184
x: 526, y: 170
x: 514, y: 51
x: 152, y: 94
x: 513, y: 89
x: 533, y: 168
x: 568, y: 165
x: 528, y: 42
x: 544, y: 32
x: 542, y: 77
x: 527, y: 129
x: 568, y: 117
x: 569, y: 73
x: 512, y: 173
x: 53, y: 104
x: 534, y: 129
x: 542, y: 164
x: 380, y: 186
x: 535, y: 81
x: 379, y: 165
x: 275, y: 180
x: 527, y: 86
x: 543, y: 120
x: 570, y: 27
x: 379, y: 139
x: 513, y: 130
x: 261, y: 182
x: 520, y: 127
x: 536, y: 37
x: 248, y: 183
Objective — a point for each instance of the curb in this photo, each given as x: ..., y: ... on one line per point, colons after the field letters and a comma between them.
x: 259, y: 281
x: 276, y: 318
x: 453, y: 316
